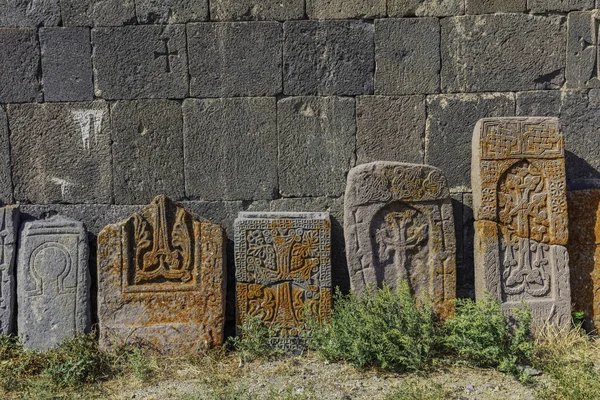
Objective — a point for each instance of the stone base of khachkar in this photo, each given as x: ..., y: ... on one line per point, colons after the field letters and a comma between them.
x: 53, y: 295
x: 520, y: 208
x: 584, y: 253
x: 161, y: 280
x: 283, y: 270
x: 9, y: 227
x: 399, y: 226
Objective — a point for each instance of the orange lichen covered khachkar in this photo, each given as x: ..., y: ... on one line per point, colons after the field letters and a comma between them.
x: 161, y: 280
x: 283, y: 270
x: 520, y: 208
x: 584, y: 254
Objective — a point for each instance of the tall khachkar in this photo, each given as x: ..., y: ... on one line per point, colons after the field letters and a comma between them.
x: 9, y: 225
x: 399, y: 226
x: 283, y: 271
x: 520, y: 208
x: 161, y: 280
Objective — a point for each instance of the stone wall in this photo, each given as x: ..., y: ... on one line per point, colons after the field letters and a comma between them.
x: 254, y: 105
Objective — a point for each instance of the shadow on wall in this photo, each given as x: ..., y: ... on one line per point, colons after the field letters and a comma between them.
x: 580, y: 174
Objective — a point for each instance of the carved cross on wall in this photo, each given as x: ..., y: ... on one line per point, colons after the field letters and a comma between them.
x: 167, y: 54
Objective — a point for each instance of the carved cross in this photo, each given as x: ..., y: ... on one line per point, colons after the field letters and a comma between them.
x: 167, y: 54
x: 402, y: 233
x: 585, y: 45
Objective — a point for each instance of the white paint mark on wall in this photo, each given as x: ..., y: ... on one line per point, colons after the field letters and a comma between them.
x: 90, y: 123
x: 65, y: 186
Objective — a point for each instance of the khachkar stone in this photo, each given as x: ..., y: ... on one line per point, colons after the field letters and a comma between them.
x: 283, y: 270
x: 399, y: 226
x: 520, y: 209
x: 584, y: 253
x: 161, y: 280
x: 9, y: 223
x: 53, y: 295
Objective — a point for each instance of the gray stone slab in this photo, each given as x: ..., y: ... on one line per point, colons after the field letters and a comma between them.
x: 580, y: 122
x: 450, y: 123
x: 328, y: 58
x: 399, y: 226
x: 316, y: 145
x: 283, y: 256
x: 493, y: 6
x: 54, y: 282
x: 583, y: 49
x: 148, y: 61
x: 147, y: 150
x: 19, y: 63
x: 341, y: 9
x: 216, y: 167
x: 94, y: 216
x: 97, y: 12
x: 407, y: 55
x: 420, y: 8
x: 9, y: 228
x: 390, y: 129
x: 6, y: 189
x: 540, y: 103
x: 230, y: 59
x: 33, y: 13
x: 67, y: 64
x: 235, y: 10
x: 520, y: 209
x: 503, y: 52
x: 171, y: 11
x: 542, y: 6
x: 71, y: 143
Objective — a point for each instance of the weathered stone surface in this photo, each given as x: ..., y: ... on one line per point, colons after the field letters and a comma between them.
x: 279, y: 10
x: 30, y: 13
x: 19, y: 61
x: 492, y: 6
x: 541, y: 6
x: 581, y: 121
x: 67, y: 64
x: 9, y: 226
x: 584, y: 253
x: 539, y: 103
x: 71, y: 144
x: 97, y: 12
x: 283, y: 268
x: 390, y: 129
x: 147, y: 150
x: 231, y: 59
x: 161, y: 280
x: 215, y: 168
x: 432, y: 8
x: 407, y: 54
x: 503, y: 52
x: 140, y: 61
x: 340, y: 9
x: 6, y: 196
x: 171, y: 11
x: 583, y: 46
x: 399, y: 225
x: 450, y: 121
x: 54, y: 282
x: 520, y: 208
x: 328, y: 58
x: 316, y: 145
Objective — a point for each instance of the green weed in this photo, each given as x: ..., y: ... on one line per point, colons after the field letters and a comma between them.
x: 415, y: 389
x: 254, y: 341
x: 380, y: 328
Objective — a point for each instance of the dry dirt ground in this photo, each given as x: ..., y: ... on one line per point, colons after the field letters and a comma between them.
x: 308, y: 377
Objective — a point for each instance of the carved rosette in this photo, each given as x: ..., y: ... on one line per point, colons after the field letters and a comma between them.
x: 283, y: 271
x: 162, y: 280
x: 399, y: 226
x: 519, y: 202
